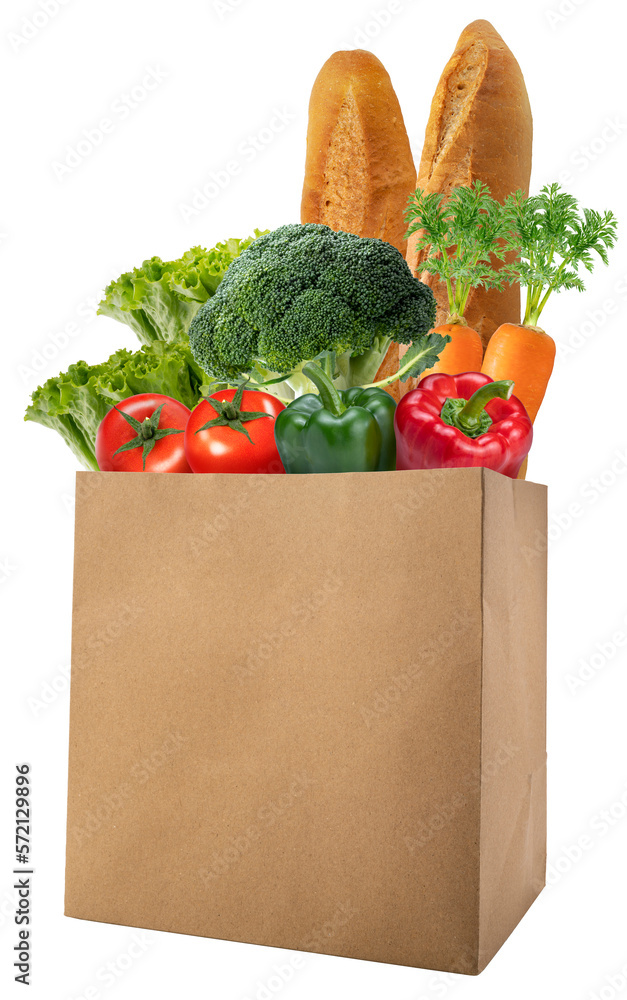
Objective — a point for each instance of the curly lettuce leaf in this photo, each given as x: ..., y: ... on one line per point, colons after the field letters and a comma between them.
x: 75, y: 402
x: 159, y: 299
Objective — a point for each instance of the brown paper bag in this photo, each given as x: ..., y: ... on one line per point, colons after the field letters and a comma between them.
x: 309, y: 711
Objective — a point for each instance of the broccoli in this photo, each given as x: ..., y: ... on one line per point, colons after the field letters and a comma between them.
x: 303, y: 292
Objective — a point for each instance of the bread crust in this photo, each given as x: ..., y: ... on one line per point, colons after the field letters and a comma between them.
x: 480, y: 128
x: 359, y: 170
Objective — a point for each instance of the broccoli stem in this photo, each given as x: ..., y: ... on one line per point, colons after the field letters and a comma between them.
x: 284, y: 387
x: 300, y: 384
x: 364, y: 367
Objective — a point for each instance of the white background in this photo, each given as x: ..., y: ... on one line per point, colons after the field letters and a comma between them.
x: 62, y: 239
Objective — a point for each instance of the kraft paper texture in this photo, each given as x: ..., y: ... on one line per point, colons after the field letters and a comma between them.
x: 309, y: 711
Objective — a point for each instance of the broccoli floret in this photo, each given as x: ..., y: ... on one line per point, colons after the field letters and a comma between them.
x: 305, y: 290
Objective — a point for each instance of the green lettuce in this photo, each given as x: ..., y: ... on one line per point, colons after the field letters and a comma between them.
x: 76, y: 401
x: 159, y: 299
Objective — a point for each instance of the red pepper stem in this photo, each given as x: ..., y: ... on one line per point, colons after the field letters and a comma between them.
x: 329, y: 395
x: 469, y: 416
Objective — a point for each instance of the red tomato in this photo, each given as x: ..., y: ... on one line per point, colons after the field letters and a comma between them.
x: 222, y: 448
x: 166, y: 453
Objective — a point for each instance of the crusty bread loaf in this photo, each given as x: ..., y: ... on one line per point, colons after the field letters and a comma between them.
x: 479, y: 128
x: 359, y: 170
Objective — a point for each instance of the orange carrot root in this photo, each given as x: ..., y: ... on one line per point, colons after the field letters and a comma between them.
x: 524, y: 354
x: 463, y: 353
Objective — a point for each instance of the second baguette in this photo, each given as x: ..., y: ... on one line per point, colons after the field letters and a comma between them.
x: 479, y: 128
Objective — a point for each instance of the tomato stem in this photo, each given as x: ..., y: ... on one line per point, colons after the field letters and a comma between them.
x: 147, y: 430
x: 229, y: 414
x: 147, y: 433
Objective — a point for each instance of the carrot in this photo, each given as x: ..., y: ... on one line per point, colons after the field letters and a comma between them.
x: 463, y: 353
x: 551, y: 238
x: 527, y: 354
x: 524, y: 354
x: 459, y: 242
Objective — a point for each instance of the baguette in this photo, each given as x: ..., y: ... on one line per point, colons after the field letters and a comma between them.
x: 479, y: 128
x: 359, y: 170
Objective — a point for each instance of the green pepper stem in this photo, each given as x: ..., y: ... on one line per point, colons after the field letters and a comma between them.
x: 469, y: 416
x: 328, y: 393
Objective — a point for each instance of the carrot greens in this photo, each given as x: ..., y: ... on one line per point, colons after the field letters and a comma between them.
x: 460, y: 236
x: 552, y: 238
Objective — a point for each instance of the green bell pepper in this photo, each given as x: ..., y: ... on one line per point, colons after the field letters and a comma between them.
x: 337, y: 431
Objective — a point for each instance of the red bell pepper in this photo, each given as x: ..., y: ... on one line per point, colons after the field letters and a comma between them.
x: 453, y: 421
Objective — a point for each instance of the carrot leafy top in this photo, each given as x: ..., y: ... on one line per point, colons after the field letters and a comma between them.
x: 552, y: 239
x: 460, y: 237
x: 540, y: 242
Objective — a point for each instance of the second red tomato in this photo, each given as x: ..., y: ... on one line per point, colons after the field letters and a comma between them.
x: 237, y: 438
